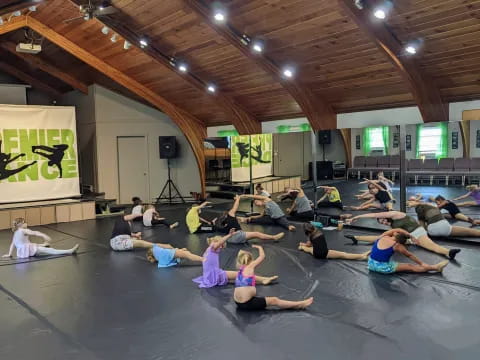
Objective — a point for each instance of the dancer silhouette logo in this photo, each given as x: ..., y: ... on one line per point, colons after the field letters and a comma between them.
x: 37, y: 154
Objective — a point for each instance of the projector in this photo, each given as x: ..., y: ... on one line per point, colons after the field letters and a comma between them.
x: 29, y: 48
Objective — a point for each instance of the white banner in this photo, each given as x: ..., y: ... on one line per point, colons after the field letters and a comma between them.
x: 257, y: 147
x: 38, y: 153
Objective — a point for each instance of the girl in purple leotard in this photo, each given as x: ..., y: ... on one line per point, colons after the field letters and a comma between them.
x: 474, y: 192
x: 212, y: 274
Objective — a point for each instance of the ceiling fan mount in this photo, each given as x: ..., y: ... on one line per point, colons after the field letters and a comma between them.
x: 93, y: 9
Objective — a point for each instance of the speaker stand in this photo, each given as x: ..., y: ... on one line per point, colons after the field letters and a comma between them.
x: 169, y: 185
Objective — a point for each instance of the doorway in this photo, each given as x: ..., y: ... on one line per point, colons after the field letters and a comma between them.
x: 132, y: 168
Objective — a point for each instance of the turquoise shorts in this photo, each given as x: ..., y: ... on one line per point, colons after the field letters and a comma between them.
x: 165, y: 257
x: 382, y: 267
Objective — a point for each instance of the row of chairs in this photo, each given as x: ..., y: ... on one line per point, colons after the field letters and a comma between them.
x: 418, y: 169
x: 389, y: 164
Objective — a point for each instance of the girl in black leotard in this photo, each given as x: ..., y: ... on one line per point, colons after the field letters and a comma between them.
x: 317, y: 246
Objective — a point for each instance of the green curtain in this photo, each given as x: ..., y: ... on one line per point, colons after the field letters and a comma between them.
x: 366, y: 141
x: 417, y: 141
x: 386, y: 139
x: 443, y: 149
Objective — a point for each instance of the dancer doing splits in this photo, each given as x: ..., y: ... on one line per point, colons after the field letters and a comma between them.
x: 212, y: 274
x: 393, y: 241
x: 245, y: 291
x: 271, y: 214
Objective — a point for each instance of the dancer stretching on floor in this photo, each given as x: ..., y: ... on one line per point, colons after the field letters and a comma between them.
x: 271, y: 214
x: 453, y: 210
x: 301, y: 208
x: 151, y: 218
x: 25, y: 248
x: 316, y: 245
x: 393, y: 241
x: 381, y: 198
x: 400, y: 220
x: 124, y: 239
x: 137, y: 208
x: 331, y: 198
x: 195, y: 223
x: 166, y: 255
x: 229, y: 221
x: 212, y: 274
x: 474, y: 192
x: 430, y: 217
x: 245, y: 291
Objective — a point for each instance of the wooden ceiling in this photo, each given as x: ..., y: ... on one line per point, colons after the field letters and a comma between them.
x: 340, y: 63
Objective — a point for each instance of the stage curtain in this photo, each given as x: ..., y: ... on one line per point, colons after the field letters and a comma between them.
x: 417, y: 141
x: 443, y: 148
x: 366, y: 141
x: 386, y: 139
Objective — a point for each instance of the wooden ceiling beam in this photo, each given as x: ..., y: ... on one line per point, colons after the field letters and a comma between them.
x: 23, y: 76
x: 319, y: 112
x: 426, y: 94
x: 242, y: 119
x: 17, y: 5
x: 194, y: 130
x: 12, y: 25
x: 45, y: 66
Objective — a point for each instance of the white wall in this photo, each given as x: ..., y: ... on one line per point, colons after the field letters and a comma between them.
x: 116, y: 116
x: 456, y: 109
x: 13, y: 92
x: 391, y: 117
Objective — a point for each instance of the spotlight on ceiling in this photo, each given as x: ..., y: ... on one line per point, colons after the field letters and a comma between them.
x: 382, y: 10
x: 105, y: 30
x: 219, y: 16
x: 288, y: 72
x: 127, y: 45
x: 411, y: 49
x: 1, y: 21
x: 183, y: 67
x: 359, y: 4
x: 143, y: 43
x: 32, y: 8
x: 17, y: 13
x: 380, y: 14
x: 114, y: 38
x: 211, y: 88
x: 257, y: 46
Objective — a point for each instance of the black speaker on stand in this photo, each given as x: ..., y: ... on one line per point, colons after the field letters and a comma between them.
x: 324, y: 138
x: 168, y: 150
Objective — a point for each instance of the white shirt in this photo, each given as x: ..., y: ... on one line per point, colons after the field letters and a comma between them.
x: 264, y: 193
x: 147, y: 217
x: 137, y: 210
x: 21, y: 241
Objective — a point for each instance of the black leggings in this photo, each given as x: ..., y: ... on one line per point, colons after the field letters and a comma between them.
x: 160, y: 222
x: 267, y: 220
x: 303, y: 216
x: 255, y: 303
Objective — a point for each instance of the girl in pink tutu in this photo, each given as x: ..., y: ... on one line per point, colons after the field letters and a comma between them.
x: 212, y: 274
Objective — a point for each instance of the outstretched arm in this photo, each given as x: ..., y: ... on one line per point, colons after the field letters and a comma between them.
x: 255, y: 197
x: 375, y: 183
x: 260, y: 258
x: 322, y: 198
x: 463, y: 196
x: 10, y: 251
x: 326, y: 187
x: 234, y: 208
x: 202, y: 205
x: 386, y: 215
x: 164, y: 246
x: 223, y: 240
x: 402, y: 250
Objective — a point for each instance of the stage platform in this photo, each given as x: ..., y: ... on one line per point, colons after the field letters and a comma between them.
x: 272, y: 184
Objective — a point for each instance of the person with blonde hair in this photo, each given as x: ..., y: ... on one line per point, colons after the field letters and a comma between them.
x: 25, y: 248
x: 245, y: 290
x: 213, y: 275
x: 165, y: 255
x: 474, y: 192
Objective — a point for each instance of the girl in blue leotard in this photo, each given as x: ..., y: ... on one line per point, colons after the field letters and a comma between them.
x: 245, y: 291
x: 393, y: 241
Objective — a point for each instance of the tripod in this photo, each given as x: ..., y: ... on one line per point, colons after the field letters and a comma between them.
x: 170, y: 184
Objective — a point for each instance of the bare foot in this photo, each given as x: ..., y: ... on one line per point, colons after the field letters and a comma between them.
x: 439, y: 267
x: 291, y: 228
x: 305, y: 303
x: 174, y: 225
x: 269, y: 280
x: 75, y: 248
x: 278, y: 236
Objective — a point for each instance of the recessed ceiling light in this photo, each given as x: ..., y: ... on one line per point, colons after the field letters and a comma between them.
x: 411, y: 49
x: 1, y: 21
x: 380, y: 13
x: 212, y: 88
x: 114, y: 38
x: 257, y: 46
x: 219, y: 16
x: 143, y: 43
x: 17, y: 13
x: 105, y: 30
x: 183, y: 67
x: 126, y: 45
x: 288, y: 72
x: 32, y: 8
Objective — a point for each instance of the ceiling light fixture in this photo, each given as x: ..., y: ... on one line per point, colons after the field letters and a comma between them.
x: 114, y: 38
x: 183, y: 67
x: 288, y: 72
x: 257, y: 46
x: 382, y: 10
x: 143, y: 43
x: 32, y: 8
x: 211, y: 88
x: 105, y: 30
x: 126, y: 45
x: 219, y: 16
x: 17, y: 13
x: 380, y: 14
x: 1, y: 21
x: 411, y: 49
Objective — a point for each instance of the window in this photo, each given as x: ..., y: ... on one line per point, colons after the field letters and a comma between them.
x: 375, y: 140
x: 432, y: 141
